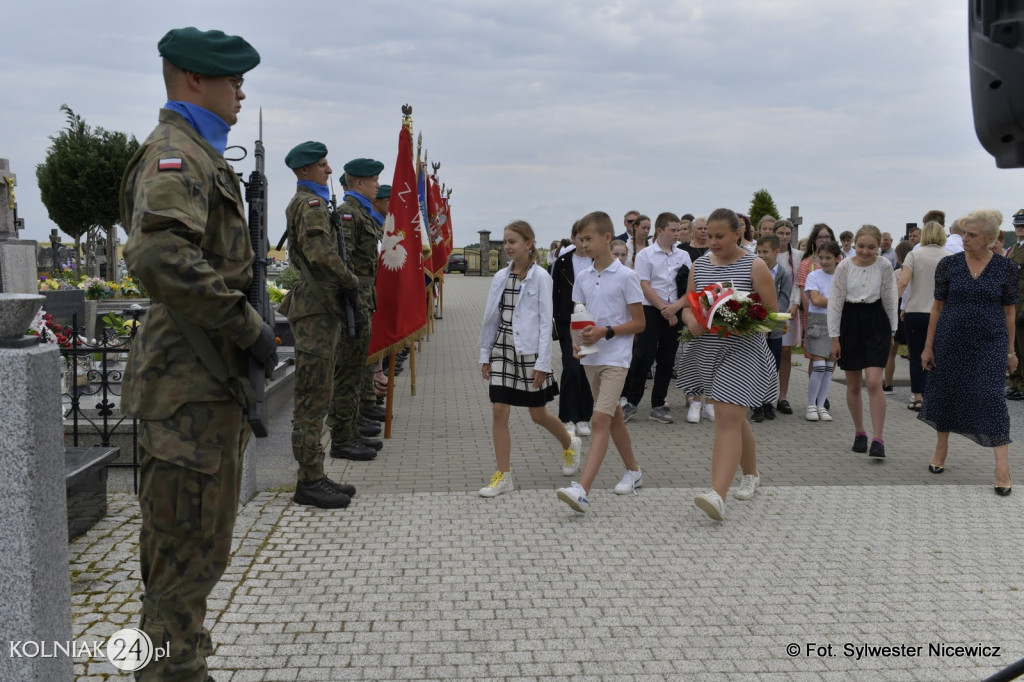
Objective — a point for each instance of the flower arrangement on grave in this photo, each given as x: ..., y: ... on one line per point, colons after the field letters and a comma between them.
x: 47, y: 283
x: 49, y: 331
x: 129, y: 288
x: 117, y: 324
x: 275, y: 293
x: 95, y: 288
x: 726, y: 311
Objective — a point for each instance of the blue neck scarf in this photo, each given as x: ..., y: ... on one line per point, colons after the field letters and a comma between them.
x: 320, y: 190
x: 368, y: 205
x: 209, y: 125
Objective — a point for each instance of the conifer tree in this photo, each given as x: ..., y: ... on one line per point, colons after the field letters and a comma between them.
x: 761, y: 205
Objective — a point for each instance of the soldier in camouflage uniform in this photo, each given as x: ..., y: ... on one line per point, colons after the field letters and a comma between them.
x: 315, y: 309
x: 189, y: 245
x: 363, y: 226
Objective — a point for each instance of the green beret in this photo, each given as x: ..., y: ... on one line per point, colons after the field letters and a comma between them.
x: 363, y: 168
x: 208, y: 53
x: 343, y: 180
x: 384, y: 192
x: 305, y: 154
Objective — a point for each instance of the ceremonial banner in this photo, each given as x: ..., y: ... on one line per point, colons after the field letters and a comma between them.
x: 446, y: 227
x: 436, y: 220
x: 400, y: 316
x: 421, y: 197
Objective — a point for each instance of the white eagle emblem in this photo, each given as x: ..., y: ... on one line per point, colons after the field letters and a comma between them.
x: 393, y: 253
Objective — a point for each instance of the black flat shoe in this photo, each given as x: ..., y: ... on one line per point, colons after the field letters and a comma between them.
x: 877, y: 449
x: 935, y: 470
x: 887, y: 388
x: 1002, y: 491
x: 860, y: 444
x: 783, y: 407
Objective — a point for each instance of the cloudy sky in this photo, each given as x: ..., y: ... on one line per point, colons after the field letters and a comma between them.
x: 857, y: 112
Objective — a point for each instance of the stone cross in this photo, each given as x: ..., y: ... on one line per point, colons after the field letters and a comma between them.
x: 797, y: 220
x: 8, y: 227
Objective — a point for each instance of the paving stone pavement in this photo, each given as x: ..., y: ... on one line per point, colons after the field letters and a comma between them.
x: 422, y: 579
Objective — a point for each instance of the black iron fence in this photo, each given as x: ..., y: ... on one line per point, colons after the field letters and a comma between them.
x: 91, y: 391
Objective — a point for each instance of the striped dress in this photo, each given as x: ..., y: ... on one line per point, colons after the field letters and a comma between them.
x: 736, y: 369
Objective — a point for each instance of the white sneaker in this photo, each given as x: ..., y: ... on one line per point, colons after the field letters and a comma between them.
x: 823, y: 415
x: 748, y: 485
x: 709, y: 412
x: 570, y: 427
x: 711, y: 504
x: 582, y: 429
x: 631, y: 480
x: 501, y: 482
x: 571, y: 456
x: 693, y: 414
x: 574, y: 496
x: 811, y: 413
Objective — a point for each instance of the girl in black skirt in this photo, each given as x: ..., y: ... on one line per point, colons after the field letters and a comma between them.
x: 515, y: 354
x: 862, y: 319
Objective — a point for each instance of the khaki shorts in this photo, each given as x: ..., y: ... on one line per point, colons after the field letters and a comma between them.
x: 606, y: 384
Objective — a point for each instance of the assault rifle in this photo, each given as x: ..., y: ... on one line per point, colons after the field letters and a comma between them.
x: 256, y: 196
x: 347, y: 303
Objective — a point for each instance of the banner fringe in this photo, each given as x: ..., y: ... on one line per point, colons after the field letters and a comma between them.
x: 397, y: 346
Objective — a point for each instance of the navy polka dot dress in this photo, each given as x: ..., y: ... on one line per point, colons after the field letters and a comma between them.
x: 965, y: 393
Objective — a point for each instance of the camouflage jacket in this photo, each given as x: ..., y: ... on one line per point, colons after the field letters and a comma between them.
x: 312, y: 237
x: 1016, y: 254
x: 188, y: 243
x: 362, y: 234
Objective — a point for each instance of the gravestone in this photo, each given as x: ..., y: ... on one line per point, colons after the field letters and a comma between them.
x: 35, y: 592
x: 66, y: 305
x: 17, y: 256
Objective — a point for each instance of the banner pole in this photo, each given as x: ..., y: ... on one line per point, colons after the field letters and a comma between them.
x: 391, y: 395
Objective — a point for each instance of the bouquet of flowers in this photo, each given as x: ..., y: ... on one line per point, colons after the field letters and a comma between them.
x: 48, y: 331
x: 53, y: 284
x: 275, y: 293
x: 130, y: 288
x: 96, y: 288
x: 726, y: 311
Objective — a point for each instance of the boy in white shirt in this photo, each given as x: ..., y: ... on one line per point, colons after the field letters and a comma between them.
x: 612, y: 294
x: 657, y: 267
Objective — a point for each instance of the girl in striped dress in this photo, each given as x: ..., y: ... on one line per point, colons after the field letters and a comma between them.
x: 515, y: 354
x: 736, y: 372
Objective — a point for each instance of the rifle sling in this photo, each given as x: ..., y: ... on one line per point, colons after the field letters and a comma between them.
x: 240, y: 389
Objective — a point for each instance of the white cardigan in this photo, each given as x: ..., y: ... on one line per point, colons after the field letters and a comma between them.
x: 531, y: 319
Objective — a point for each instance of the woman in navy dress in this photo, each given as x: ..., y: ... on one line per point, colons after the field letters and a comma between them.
x: 970, y: 332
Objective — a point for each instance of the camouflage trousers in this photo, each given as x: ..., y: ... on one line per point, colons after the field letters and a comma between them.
x: 353, y: 382
x: 191, y: 467
x: 316, y: 342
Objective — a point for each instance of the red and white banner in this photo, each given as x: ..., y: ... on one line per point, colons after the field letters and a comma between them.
x: 401, y: 312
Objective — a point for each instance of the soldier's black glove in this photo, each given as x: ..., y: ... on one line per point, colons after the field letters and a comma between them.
x: 264, y: 350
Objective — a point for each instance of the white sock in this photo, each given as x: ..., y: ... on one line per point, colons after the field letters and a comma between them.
x: 826, y: 383
x: 814, y: 382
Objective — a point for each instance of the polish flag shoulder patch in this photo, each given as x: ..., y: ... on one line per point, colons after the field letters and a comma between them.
x: 169, y: 164
x: 346, y: 216
x: 314, y: 202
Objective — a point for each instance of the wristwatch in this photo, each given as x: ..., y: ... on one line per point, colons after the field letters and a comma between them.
x: 610, y: 333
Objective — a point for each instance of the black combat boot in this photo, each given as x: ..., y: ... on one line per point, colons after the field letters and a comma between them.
x: 352, y: 449
x: 375, y: 413
x: 321, y: 494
